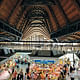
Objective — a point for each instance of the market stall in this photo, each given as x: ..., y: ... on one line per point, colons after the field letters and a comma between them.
x: 52, y: 68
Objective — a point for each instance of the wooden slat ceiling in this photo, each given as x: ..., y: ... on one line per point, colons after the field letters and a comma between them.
x: 73, y: 36
x: 20, y: 14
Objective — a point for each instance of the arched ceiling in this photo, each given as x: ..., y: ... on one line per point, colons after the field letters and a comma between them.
x: 54, y: 19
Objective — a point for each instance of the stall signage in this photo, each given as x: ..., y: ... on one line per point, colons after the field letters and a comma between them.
x: 44, y: 61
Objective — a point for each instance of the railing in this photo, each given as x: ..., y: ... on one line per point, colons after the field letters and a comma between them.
x: 42, y: 45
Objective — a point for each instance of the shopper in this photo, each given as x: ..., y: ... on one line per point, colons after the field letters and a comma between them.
x: 35, y: 75
x: 25, y: 61
x: 46, y: 78
x: 25, y: 77
x: 72, y: 75
x: 21, y: 74
x: 0, y: 69
x: 60, y: 76
x: 32, y: 75
x: 17, y: 66
x: 64, y: 71
x: 12, y: 70
x: 39, y: 77
x: 42, y: 76
x: 28, y: 76
x: 18, y: 60
x: 27, y: 70
x: 71, y: 69
x: 18, y: 76
x: 28, y: 64
x: 14, y: 75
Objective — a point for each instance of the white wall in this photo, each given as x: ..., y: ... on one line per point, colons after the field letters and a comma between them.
x: 70, y: 56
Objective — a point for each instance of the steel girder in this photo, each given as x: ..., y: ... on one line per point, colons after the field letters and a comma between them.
x: 38, y: 2
x: 72, y: 41
x: 74, y: 27
x: 10, y: 30
x: 8, y: 37
x: 2, y: 38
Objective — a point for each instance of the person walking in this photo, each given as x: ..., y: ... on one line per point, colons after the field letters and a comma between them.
x: 39, y: 77
x: 25, y: 77
x: 14, y: 75
x: 28, y: 76
x: 18, y: 76
x: 21, y: 74
x: 72, y: 75
x: 27, y: 70
x: 12, y: 70
x: 32, y: 75
x: 46, y: 78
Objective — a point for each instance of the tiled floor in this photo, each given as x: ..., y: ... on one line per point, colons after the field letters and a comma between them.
x: 68, y: 78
